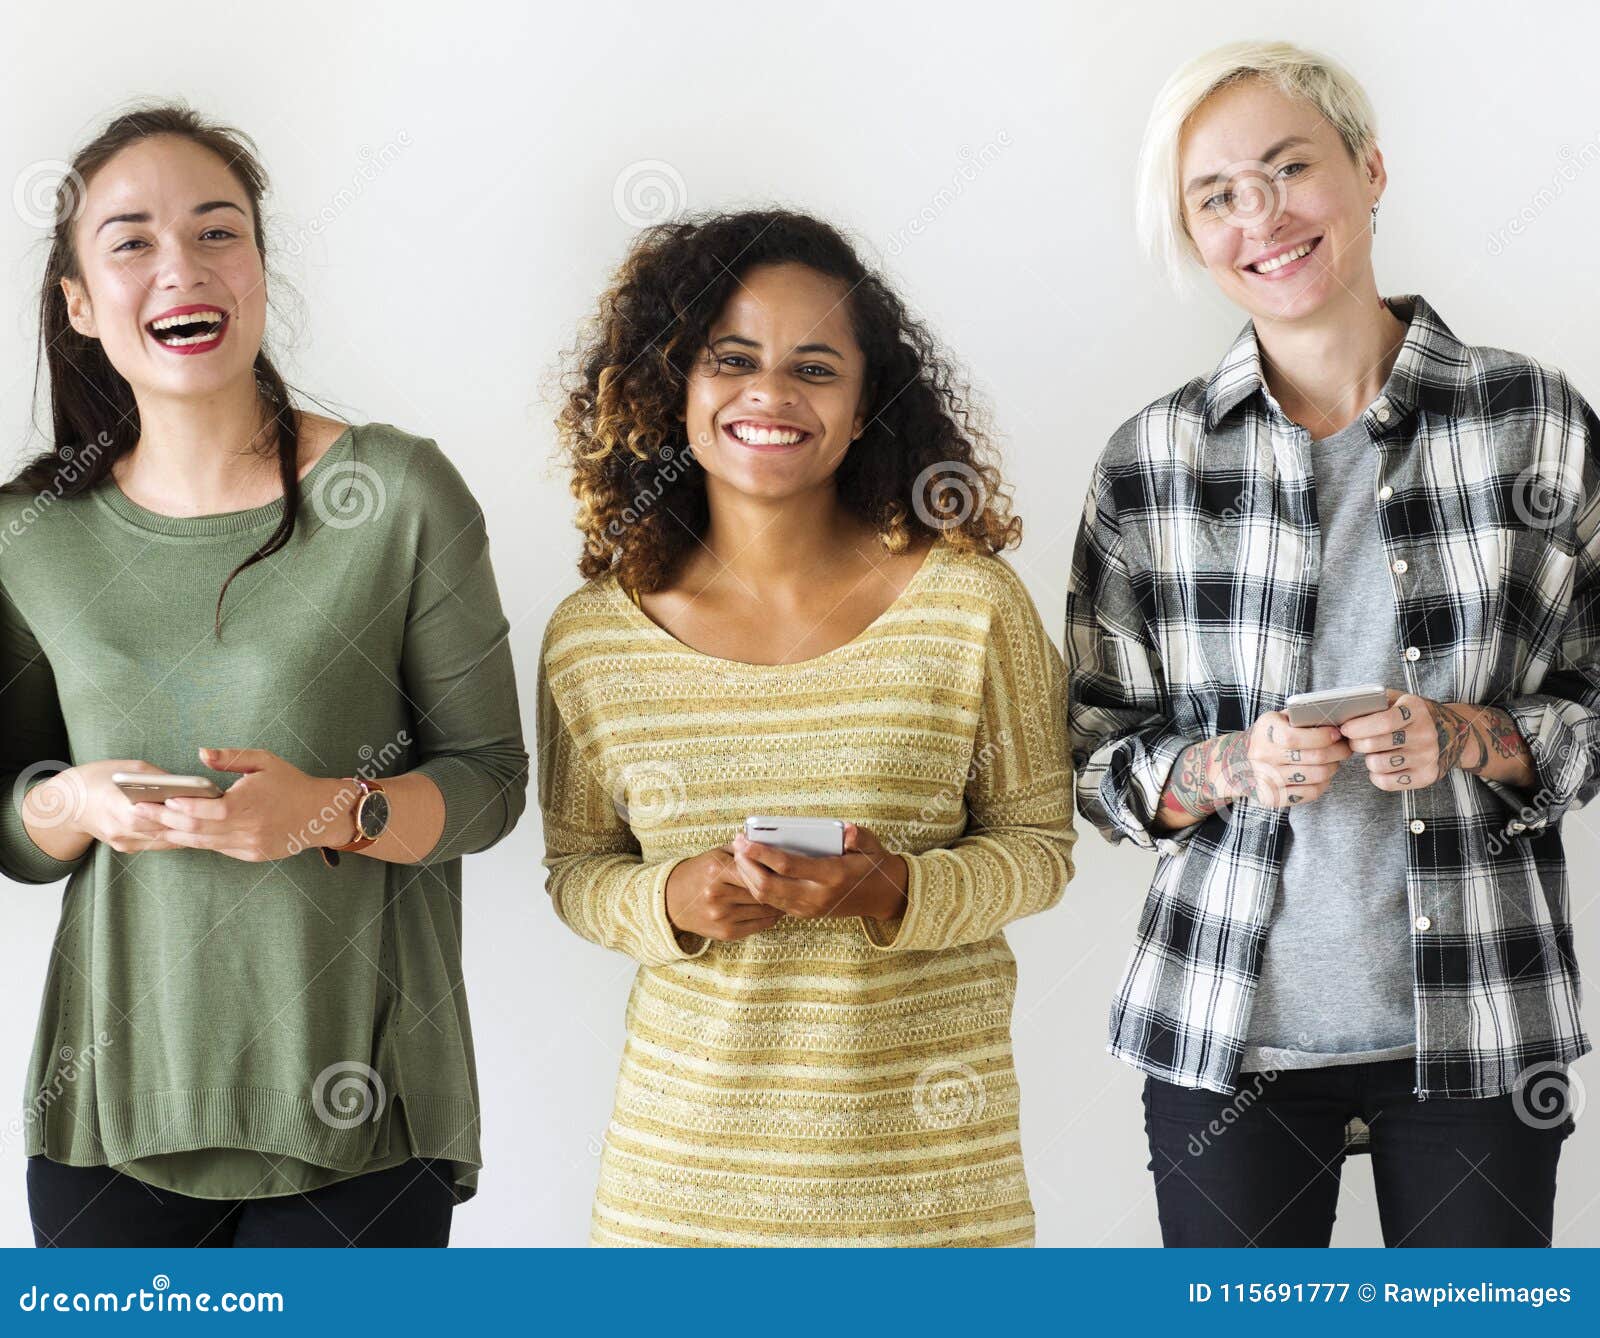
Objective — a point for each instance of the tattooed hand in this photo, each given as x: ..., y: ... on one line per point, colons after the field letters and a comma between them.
x: 1416, y: 740
x: 1272, y: 763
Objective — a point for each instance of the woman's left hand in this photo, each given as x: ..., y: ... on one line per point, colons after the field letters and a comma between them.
x: 275, y: 810
x: 1416, y: 741
x: 865, y: 880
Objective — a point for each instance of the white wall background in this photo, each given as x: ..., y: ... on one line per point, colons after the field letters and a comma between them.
x: 433, y: 160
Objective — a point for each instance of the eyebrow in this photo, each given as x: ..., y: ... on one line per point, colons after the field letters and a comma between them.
x: 143, y: 217
x: 1288, y: 142
x: 799, y: 348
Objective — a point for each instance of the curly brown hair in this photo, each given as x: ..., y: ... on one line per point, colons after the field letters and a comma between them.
x: 922, y: 467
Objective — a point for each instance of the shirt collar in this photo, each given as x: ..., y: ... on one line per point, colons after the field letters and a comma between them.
x: 1432, y: 371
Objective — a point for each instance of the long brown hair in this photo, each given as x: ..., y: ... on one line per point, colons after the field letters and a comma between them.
x: 94, y: 418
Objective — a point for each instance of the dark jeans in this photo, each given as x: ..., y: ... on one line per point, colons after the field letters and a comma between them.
x: 406, y: 1205
x: 1266, y: 1172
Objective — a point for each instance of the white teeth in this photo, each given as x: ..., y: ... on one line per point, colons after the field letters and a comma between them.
x: 193, y: 318
x: 1278, y: 262
x: 190, y: 339
x: 760, y: 436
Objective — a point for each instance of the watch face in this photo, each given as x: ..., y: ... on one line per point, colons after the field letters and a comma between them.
x: 373, y: 815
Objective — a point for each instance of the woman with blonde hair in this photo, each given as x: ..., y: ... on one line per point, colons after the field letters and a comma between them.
x: 1358, y: 921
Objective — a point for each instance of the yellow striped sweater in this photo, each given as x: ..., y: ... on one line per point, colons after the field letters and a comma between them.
x: 832, y: 1081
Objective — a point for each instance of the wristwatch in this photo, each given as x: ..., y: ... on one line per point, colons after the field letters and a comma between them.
x: 372, y: 818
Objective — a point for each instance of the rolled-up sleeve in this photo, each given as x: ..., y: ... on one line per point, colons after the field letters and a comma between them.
x: 1124, y: 744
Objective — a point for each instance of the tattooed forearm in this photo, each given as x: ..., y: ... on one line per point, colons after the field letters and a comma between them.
x: 1204, y: 778
x: 1482, y: 740
x: 1458, y: 742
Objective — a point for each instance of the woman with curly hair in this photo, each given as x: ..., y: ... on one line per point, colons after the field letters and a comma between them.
x: 795, y: 606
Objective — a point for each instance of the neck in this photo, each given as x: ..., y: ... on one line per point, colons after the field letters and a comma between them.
x: 202, y: 456
x: 766, y: 544
x: 1323, y: 372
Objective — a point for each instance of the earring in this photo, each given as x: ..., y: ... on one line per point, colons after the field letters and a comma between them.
x: 1374, y: 220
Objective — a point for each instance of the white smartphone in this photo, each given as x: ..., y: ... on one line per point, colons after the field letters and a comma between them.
x: 1333, y: 706
x: 158, y: 786
x: 799, y: 836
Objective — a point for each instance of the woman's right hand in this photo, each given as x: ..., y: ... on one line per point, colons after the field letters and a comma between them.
x: 706, y: 896
x: 1272, y: 763
x: 1288, y: 764
x: 80, y: 805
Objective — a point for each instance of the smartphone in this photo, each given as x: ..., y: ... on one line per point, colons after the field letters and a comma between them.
x: 157, y: 786
x: 1333, y: 706
x: 799, y: 836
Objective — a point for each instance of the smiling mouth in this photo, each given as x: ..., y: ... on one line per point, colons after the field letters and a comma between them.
x: 190, y: 330
x: 765, y: 438
x: 1286, y: 259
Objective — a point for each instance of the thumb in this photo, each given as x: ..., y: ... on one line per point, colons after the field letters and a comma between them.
x: 235, y: 759
x: 853, y: 842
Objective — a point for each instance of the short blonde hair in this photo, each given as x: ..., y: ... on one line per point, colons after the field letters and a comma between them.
x: 1322, y: 82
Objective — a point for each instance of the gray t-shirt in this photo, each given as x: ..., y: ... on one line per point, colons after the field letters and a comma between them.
x: 1336, y: 982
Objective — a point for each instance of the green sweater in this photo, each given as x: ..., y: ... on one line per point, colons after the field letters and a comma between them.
x: 235, y: 1030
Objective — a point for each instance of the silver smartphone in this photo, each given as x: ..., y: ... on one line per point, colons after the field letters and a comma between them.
x: 158, y: 786
x: 1333, y: 706
x: 799, y: 836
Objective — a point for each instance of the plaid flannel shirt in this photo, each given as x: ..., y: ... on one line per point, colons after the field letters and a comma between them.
x: 1190, y: 612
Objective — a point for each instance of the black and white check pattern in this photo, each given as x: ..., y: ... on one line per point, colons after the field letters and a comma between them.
x: 1190, y: 612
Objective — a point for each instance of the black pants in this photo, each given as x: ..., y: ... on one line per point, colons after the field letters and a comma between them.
x: 406, y: 1205
x: 1262, y: 1167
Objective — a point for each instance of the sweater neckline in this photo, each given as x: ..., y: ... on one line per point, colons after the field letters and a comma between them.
x: 110, y: 495
x: 936, y: 553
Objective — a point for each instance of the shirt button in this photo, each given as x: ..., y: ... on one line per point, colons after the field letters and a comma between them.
x: 1424, y: 923
x: 1412, y: 653
x: 1418, y: 826
x: 1385, y: 493
x: 1381, y: 413
x: 1400, y: 565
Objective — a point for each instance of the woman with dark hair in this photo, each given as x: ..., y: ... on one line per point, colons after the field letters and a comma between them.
x: 197, y: 572
x: 795, y: 606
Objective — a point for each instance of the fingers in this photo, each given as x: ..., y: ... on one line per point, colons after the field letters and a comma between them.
x: 782, y: 862
x: 1405, y: 711
x: 1277, y: 730
x: 209, y: 810
x: 1406, y: 778
x: 235, y: 759
x: 1331, y: 755
x: 177, y: 820
x: 1307, y: 775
